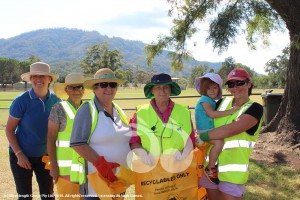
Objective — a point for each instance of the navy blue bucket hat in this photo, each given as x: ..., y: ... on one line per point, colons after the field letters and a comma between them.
x: 161, y: 79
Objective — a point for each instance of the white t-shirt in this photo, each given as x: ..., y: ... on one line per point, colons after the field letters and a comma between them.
x: 111, y: 140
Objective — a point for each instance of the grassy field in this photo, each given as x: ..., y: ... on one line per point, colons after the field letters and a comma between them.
x: 266, y: 182
x: 6, y: 97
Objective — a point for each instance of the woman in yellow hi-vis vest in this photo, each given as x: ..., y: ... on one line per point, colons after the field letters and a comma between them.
x: 60, y: 125
x: 240, y: 131
x: 162, y: 129
x: 100, y: 136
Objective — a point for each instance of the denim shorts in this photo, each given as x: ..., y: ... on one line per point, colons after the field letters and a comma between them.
x: 236, y: 190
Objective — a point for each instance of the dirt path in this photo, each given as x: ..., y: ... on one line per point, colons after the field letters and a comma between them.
x: 267, y: 152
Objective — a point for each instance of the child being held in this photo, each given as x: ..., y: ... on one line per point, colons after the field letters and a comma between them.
x: 209, y: 87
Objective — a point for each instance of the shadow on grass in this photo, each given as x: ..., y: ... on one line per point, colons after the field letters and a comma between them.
x: 272, y: 182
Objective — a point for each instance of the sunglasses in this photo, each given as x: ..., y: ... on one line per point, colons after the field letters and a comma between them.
x: 106, y: 84
x: 236, y: 83
x: 74, y: 88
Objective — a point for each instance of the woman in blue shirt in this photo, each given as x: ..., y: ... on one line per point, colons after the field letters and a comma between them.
x: 26, y: 131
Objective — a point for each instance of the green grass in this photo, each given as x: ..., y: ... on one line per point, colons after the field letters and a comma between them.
x: 272, y: 182
x: 265, y: 182
x: 138, y: 93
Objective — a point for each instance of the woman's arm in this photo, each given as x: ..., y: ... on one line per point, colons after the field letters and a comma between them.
x: 86, y: 152
x: 11, y: 126
x: 53, y: 129
x: 215, y: 113
x: 243, y: 123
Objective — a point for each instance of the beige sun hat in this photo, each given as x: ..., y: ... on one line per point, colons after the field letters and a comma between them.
x: 39, y: 68
x: 102, y: 75
x: 71, y: 79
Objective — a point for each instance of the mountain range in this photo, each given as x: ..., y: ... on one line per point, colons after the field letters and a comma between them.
x: 63, y: 48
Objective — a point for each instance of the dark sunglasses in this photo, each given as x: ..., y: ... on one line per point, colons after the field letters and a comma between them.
x: 106, y: 84
x: 236, y: 83
x: 74, y: 88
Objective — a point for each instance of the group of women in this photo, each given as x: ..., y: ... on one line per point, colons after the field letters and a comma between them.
x: 95, y: 136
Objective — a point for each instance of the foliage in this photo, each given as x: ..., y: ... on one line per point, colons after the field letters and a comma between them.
x: 277, y: 67
x: 9, y: 71
x: 141, y: 77
x: 226, y: 20
x: 196, y: 73
x: 227, y: 66
x: 62, y: 46
x: 99, y: 56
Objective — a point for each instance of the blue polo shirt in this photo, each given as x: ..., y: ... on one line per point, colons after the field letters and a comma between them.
x: 33, y: 114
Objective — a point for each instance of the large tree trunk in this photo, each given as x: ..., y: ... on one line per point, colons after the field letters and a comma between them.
x: 286, y: 123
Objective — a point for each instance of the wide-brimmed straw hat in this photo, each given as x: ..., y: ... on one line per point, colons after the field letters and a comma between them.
x: 161, y: 79
x: 102, y: 75
x: 39, y: 68
x: 215, y: 78
x: 71, y: 79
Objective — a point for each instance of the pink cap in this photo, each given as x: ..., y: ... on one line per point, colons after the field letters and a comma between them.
x: 239, y: 74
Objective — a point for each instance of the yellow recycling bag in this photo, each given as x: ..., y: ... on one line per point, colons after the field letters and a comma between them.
x: 46, y: 160
x: 68, y: 190
x: 168, y: 179
x: 111, y: 190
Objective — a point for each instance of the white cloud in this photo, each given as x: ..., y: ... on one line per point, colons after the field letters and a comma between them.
x: 141, y: 20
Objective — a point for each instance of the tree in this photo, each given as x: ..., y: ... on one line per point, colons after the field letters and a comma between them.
x: 276, y: 68
x: 196, y: 73
x: 9, y: 71
x: 226, y: 67
x: 256, y: 18
x: 99, y: 56
x: 129, y: 75
x: 120, y: 74
x: 142, y: 77
x: 25, y: 67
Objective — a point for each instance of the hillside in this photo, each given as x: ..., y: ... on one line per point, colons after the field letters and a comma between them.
x: 62, y: 48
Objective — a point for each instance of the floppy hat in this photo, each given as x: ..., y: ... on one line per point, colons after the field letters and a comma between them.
x: 239, y: 74
x: 102, y: 75
x: 39, y: 68
x: 161, y: 79
x: 71, y: 79
x: 215, y: 78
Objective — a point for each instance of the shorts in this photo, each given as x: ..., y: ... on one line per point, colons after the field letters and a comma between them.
x: 236, y: 190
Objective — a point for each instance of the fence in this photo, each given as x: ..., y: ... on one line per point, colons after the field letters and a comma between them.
x: 139, y: 98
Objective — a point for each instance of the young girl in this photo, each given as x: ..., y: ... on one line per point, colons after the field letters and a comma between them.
x: 209, y: 87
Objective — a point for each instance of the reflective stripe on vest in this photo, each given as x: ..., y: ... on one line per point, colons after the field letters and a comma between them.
x: 238, y: 143
x: 62, y: 143
x: 233, y: 168
x: 63, y: 151
x: 78, y: 167
x: 159, y: 138
x: 64, y: 163
x: 68, y: 110
x: 233, y: 161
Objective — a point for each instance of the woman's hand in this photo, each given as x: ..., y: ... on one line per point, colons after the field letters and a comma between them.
x: 147, y: 158
x: 23, y: 161
x: 54, y: 171
x: 106, y: 168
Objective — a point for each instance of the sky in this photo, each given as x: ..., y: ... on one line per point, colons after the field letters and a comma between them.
x: 142, y: 20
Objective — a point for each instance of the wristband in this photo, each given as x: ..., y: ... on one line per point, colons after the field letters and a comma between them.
x: 204, y: 136
x: 18, y: 152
